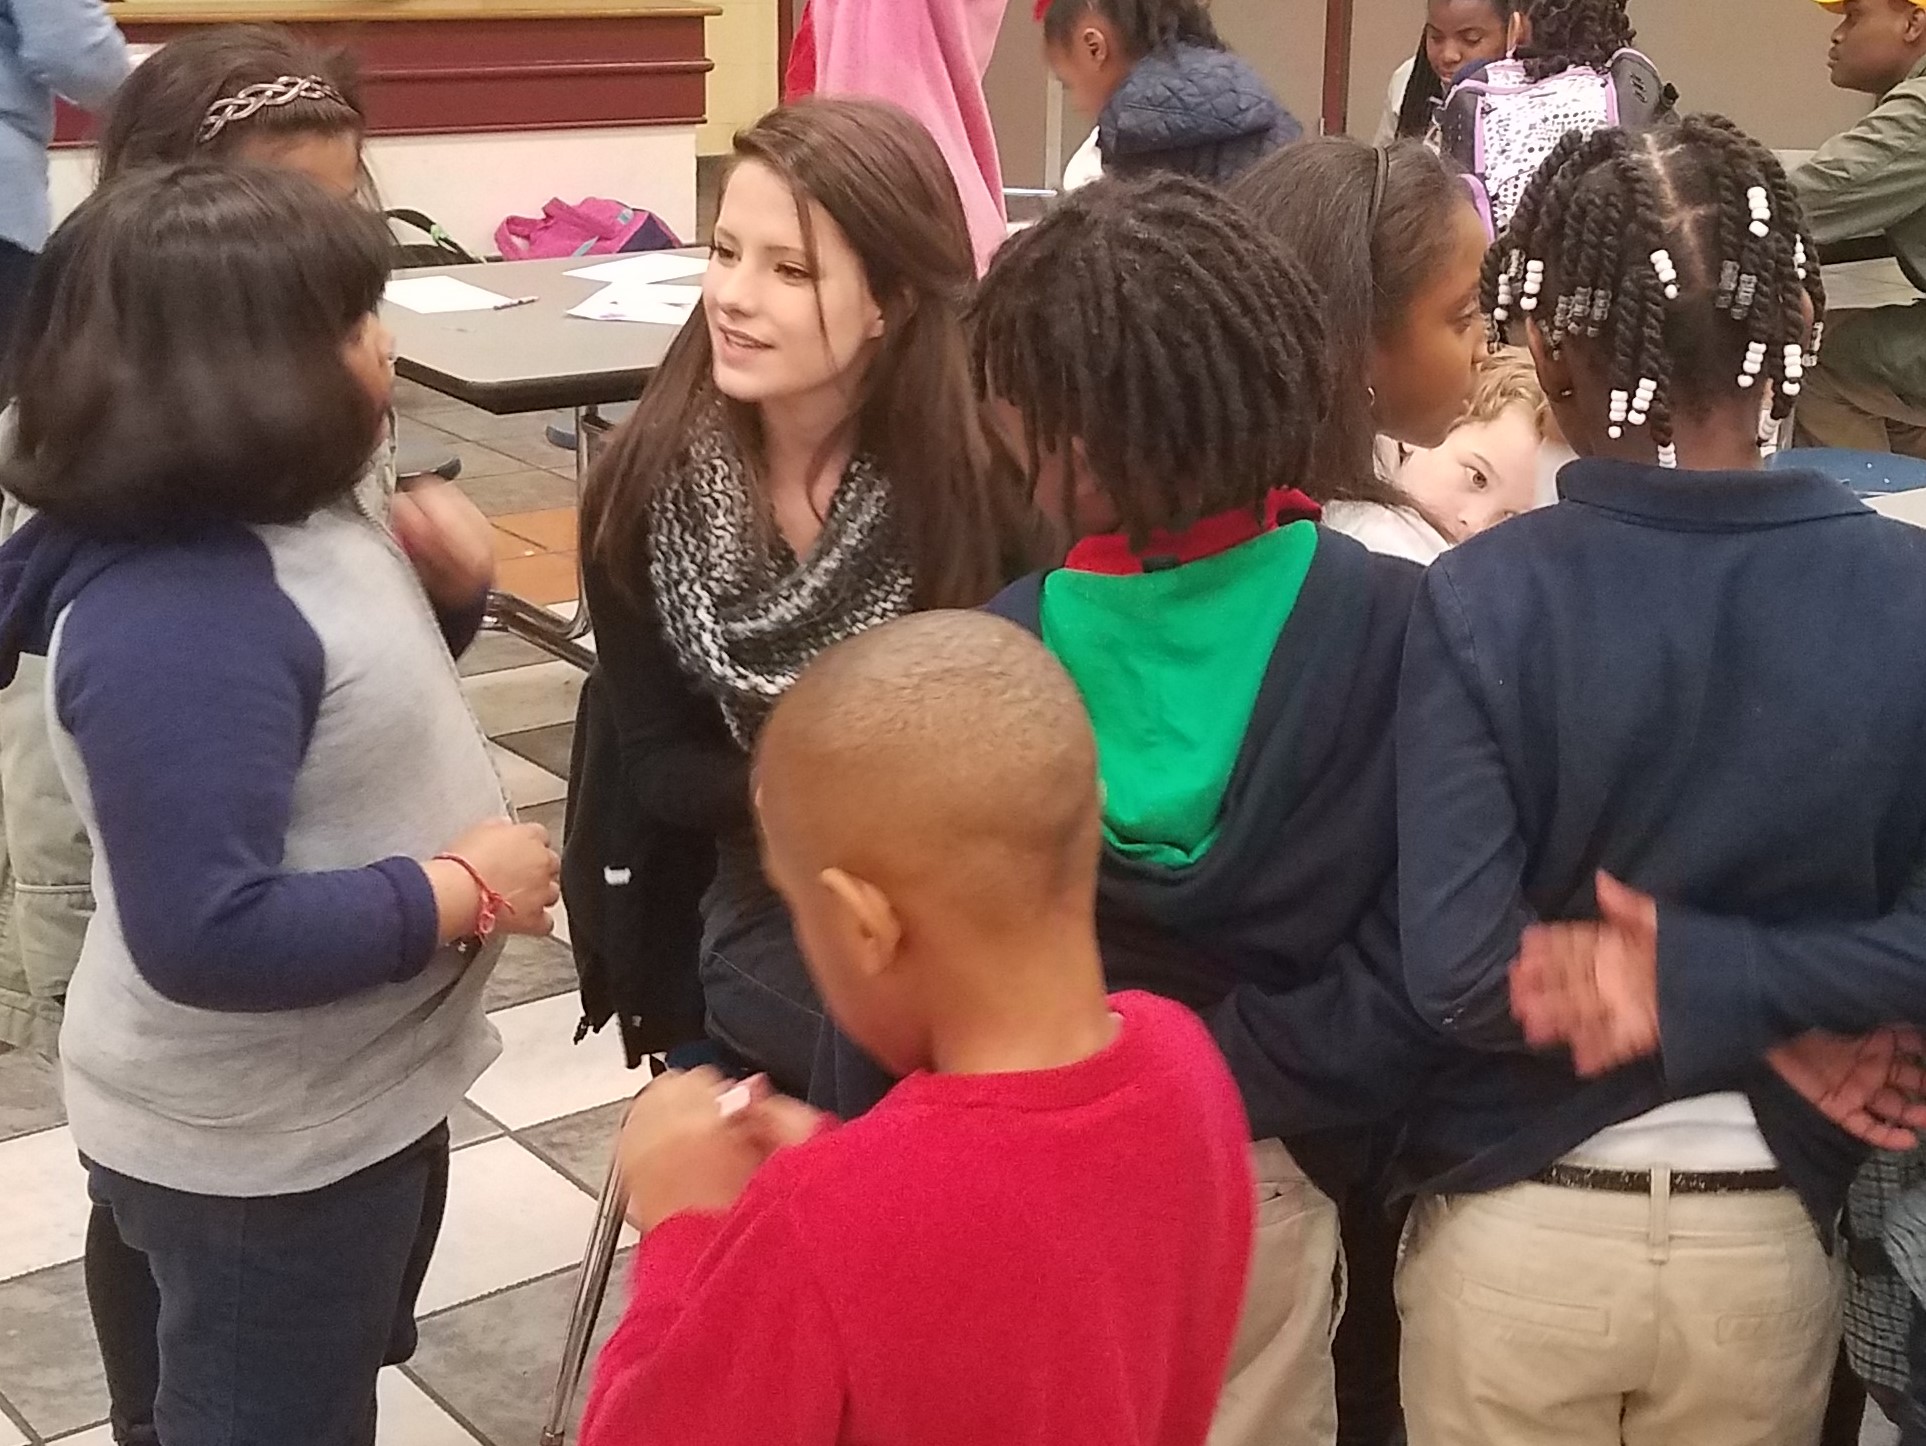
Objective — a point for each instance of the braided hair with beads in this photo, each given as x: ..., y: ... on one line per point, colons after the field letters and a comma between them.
x: 1681, y: 254
x: 1159, y: 327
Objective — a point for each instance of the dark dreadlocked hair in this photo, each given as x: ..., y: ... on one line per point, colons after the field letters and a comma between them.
x: 1157, y: 324
x: 1143, y: 25
x: 1565, y: 33
x: 1597, y: 212
x: 1426, y: 87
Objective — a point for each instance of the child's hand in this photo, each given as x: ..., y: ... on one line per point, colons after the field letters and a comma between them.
x: 449, y: 541
x: 517, y: 862
x: 678, y: 1152
x: 777, y: 1122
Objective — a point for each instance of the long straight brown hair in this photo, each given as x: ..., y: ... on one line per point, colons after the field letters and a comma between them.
x: 958, y: 495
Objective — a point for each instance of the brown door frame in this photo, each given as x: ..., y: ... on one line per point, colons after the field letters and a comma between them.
x: 785, y: 37
x: 1337, y: 66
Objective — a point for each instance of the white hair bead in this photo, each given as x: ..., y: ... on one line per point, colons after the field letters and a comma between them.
x: 1667, y: 273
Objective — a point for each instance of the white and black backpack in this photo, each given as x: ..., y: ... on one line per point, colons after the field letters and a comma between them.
x: 1499, y: 125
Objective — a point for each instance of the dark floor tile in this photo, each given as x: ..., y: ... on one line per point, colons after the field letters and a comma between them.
x: 49, y: 1363
x: 530, y: 969
x: 524, y: 491
x: 535, y: 451
x: 580, y: 1145
x: 29, y: 1094
x: 478, y: 459
x: 551, y: 816
x: 548, y: 748
x: 469, y: 1126
x: 494, y: 652
x: 412, y: 397
x: 494, y: 1360
x: 475, y: 425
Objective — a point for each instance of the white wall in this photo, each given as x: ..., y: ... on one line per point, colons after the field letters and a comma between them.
x: 469, y: 183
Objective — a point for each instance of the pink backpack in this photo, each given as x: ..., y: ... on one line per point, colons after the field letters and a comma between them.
x: 595, y: 227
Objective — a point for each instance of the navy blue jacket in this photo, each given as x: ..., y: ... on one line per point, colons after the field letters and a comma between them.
x: 1284, y: 935
x: 1194, y: 110
x: 1712, y: 685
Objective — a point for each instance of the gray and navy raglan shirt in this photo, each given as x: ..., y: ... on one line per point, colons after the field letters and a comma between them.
x: 264, y: 731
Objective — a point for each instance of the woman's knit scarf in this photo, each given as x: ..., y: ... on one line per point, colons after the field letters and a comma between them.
x: 743, y: 615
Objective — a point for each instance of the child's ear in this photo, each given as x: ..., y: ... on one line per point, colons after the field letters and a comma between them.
x: 867, y: 919
x: 1554, y: 371
x: 1095, y: 44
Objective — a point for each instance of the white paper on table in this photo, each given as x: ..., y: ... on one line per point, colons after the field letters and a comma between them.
x: 645, y: 267
x: 655, y: 305
x: 433, y: 294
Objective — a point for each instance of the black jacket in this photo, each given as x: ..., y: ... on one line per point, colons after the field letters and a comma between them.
x: 1194, y: 110
x: 656, y: 779
x: 1284, y: 936
x: 1712, y: 685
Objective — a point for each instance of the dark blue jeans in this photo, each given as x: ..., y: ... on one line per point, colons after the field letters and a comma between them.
x: 273, y: 1315
x: 762, y: 1010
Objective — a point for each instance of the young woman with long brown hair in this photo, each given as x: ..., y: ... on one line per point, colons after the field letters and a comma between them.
x: 809, y: 461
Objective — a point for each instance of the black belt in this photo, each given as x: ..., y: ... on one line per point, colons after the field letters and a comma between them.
x: 1639, y: 1182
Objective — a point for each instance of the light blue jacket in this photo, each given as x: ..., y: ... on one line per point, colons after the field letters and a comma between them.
x: 47, y: 48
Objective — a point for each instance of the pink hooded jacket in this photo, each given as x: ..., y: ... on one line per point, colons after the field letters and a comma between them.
x: 929, y: 57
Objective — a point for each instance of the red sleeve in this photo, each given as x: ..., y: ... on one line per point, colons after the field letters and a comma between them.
x: 727, y: 1340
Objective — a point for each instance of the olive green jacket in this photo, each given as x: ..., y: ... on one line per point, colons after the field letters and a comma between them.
x: 1871, y: 180
x: 45, y: 897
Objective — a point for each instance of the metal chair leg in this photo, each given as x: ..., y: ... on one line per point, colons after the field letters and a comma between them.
x: 597, y: 1265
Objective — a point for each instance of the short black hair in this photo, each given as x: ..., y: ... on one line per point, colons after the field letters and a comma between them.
x: 1144, y: 25
x: 1154, y: 321
x: 1373, y: 227
x: 181, y: 352
x: 156, y: 117
x: 1594, y: 217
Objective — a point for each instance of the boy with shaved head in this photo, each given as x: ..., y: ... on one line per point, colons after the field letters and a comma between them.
x: 1042, y: 1232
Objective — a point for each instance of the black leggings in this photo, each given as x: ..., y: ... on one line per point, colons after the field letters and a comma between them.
x: 1365, y: 1352
x: 16, y: 271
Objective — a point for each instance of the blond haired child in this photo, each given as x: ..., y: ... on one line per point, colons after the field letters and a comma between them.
x: 1490, y: 467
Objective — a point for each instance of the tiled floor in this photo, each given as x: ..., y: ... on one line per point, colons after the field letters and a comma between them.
x: 532, y: 1143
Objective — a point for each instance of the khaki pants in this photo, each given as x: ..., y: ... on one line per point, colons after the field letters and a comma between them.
x: 1548, y: 1317
x: 1869, y: 392
x: 1281, y: 1389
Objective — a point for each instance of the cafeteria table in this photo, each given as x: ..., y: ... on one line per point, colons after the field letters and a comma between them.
x: 531, y: 358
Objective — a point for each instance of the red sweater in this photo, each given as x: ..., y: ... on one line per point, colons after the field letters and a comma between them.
x: 1055, y: 1258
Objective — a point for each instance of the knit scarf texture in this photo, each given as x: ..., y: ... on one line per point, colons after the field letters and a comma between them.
x: 743, y: 615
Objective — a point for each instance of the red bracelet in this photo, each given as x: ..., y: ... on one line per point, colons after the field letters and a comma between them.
x: 493, y: 905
